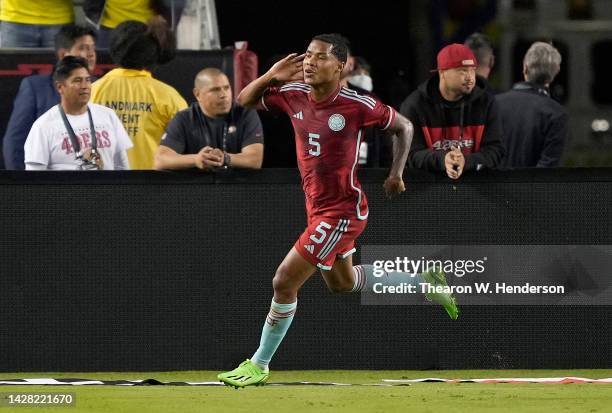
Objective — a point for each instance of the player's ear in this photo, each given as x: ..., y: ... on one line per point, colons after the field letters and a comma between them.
x: 341, y: 66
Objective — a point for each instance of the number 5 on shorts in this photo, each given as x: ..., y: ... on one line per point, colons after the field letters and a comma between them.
x: 321, y: 231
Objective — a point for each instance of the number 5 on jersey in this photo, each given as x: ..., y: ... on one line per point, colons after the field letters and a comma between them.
x: 321, y: 230
x: 316, y: 145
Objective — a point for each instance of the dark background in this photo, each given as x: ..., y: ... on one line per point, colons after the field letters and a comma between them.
x: 379, y: 32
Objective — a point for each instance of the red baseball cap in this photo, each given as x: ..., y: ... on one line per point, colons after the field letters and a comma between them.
x: 455, y: 55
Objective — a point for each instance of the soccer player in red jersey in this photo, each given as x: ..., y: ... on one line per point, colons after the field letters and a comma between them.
x: 328, y: 121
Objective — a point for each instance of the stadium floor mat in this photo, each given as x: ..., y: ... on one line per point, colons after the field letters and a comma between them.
x: 541, y: 380
x: 153, y: 382
x: 385, y: 382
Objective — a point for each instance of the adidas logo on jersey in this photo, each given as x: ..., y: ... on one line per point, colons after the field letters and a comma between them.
x: 309, y: 248
x: 298, y: 115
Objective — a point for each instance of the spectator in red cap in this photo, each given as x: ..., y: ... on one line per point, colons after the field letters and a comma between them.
x: 456, y: 123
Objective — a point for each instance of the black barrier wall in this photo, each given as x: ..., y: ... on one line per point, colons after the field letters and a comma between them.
x: 168, y: 271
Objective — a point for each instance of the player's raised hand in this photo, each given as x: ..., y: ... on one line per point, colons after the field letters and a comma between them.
x: 288, y: 69
x: 394, y: 185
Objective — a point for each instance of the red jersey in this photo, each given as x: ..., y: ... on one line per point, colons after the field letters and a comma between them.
x: 327, y: 139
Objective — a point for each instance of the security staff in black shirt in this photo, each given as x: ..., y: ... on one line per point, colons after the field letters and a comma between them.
x: 212, y: 132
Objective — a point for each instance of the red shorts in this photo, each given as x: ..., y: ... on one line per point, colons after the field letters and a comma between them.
x: 327, y: 237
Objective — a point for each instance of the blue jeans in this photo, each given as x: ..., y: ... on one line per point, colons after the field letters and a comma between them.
x: 27, y: 35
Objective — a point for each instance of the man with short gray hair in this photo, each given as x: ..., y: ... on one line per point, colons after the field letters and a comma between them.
x: 535, y: 127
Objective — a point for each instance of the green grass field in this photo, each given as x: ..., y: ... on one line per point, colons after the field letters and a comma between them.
x: 421, y: 397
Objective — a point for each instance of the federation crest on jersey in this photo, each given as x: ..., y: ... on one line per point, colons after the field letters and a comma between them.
x: 336, y: 122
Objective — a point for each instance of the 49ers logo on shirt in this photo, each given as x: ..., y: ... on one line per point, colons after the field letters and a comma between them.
x: 336, y: 122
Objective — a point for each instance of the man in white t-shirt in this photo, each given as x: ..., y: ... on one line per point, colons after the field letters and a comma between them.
x: 62, y: 138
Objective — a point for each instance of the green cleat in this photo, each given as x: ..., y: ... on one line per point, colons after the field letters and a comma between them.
x: 246, y: 374
x: 438, y: 279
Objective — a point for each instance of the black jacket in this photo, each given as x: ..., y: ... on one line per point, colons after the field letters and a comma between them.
x: 471, y: 123
x: 534, y: 126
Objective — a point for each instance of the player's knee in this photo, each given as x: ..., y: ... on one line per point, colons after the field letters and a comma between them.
x: 282, y: 283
